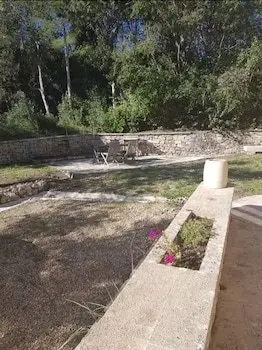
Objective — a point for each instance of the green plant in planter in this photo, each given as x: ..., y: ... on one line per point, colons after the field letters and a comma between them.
x: 188, y: 249
x: 195, y: 231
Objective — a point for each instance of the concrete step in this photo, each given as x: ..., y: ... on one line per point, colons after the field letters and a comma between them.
x: 253, y: 149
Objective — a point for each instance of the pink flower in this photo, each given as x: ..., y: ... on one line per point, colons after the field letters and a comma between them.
x: 158, y: 233
x: 152, y: 235
x: 169, y: 259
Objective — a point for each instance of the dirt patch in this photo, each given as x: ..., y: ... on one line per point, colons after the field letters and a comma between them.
x: 238, y: 321
x: 52, y: 252
x: 191, y: 257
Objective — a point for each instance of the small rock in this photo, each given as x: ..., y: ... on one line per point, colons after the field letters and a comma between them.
x: 8, y: 197
x: 24, y: 190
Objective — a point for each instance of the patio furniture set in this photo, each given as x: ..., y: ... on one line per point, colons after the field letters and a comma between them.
x: 116, y: 152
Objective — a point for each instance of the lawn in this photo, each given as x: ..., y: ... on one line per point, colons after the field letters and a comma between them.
x: 245, y: 174
x: 171, y: 181
x: 15, y: 173
x: 56, y: 256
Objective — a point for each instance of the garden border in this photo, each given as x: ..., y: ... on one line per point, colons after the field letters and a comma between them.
x: 165, y: 307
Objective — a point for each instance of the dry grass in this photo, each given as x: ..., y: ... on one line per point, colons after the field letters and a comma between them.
x: 56, y: 257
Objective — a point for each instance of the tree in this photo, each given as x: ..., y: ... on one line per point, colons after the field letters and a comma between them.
x: 97, y: 26
x: 9, y: 52
x: 63, y: 26
x: 134, y: 65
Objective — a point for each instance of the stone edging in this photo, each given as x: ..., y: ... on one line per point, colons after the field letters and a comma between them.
x: 83, y: 196
x: 165, y: 307
x: 14, y: 192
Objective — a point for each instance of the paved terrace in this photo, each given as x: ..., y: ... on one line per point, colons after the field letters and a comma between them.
x: 89, y: 165
x: 238, y: 322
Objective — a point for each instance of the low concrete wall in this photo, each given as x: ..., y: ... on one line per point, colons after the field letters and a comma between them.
x: 165, y: 307
x: 173, y: 143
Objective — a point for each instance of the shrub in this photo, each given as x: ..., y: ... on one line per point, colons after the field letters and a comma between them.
x: 47, y: 124
x: 129, y: 114
x: 21, y: 120
x: 97, y: 118
x: 71, y: 117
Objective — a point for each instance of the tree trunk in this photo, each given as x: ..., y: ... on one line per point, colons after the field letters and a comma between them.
x: 41, y: 85
x: 68, y: 78
x: 113, y: 91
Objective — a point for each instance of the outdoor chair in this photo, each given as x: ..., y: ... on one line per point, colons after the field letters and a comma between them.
x: 97, y: 150
x: 113, y: 154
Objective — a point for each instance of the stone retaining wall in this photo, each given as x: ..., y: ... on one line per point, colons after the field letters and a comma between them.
x: 173, y: 143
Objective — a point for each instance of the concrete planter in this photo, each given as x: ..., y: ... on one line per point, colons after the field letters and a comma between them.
x: 164, y: 307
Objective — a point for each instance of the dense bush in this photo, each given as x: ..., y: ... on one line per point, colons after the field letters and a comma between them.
x: 20, y: 120
x: 72, y: 115
x: 98, y: 115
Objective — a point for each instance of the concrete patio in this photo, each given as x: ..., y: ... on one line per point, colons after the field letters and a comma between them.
x: 238, y: 321
x: 89, y: 165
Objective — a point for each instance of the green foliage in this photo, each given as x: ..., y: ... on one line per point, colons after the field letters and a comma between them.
x: 71, y: 116
x: 159, y: 63
x: 47, y: 124
x: 97, y: 114
x: 92, y: 115
x: 238, y: 91
x: 129, y: 114
x: 20, y: 120
x: 195, y: 231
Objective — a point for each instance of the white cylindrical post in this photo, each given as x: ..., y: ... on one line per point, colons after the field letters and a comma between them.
x: 215, y: 173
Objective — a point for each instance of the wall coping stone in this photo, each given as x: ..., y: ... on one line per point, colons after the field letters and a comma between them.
x: 146, y: 133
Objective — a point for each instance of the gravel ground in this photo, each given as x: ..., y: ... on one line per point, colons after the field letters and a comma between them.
x: 54, y: 254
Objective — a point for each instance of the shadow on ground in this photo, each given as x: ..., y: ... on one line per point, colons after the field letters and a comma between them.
x: 174, y: 180
x: 49, y: 256
x: 136, y: 181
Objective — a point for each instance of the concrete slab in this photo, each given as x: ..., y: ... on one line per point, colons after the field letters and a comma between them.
x: 84, y: 166
x: 253, y: 149
x: 164, y: 307
x: 183, y: 320
x: 255, y: 200
x: 238, y: 321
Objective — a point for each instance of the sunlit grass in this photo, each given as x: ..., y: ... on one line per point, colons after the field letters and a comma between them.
x: 16, y: 173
